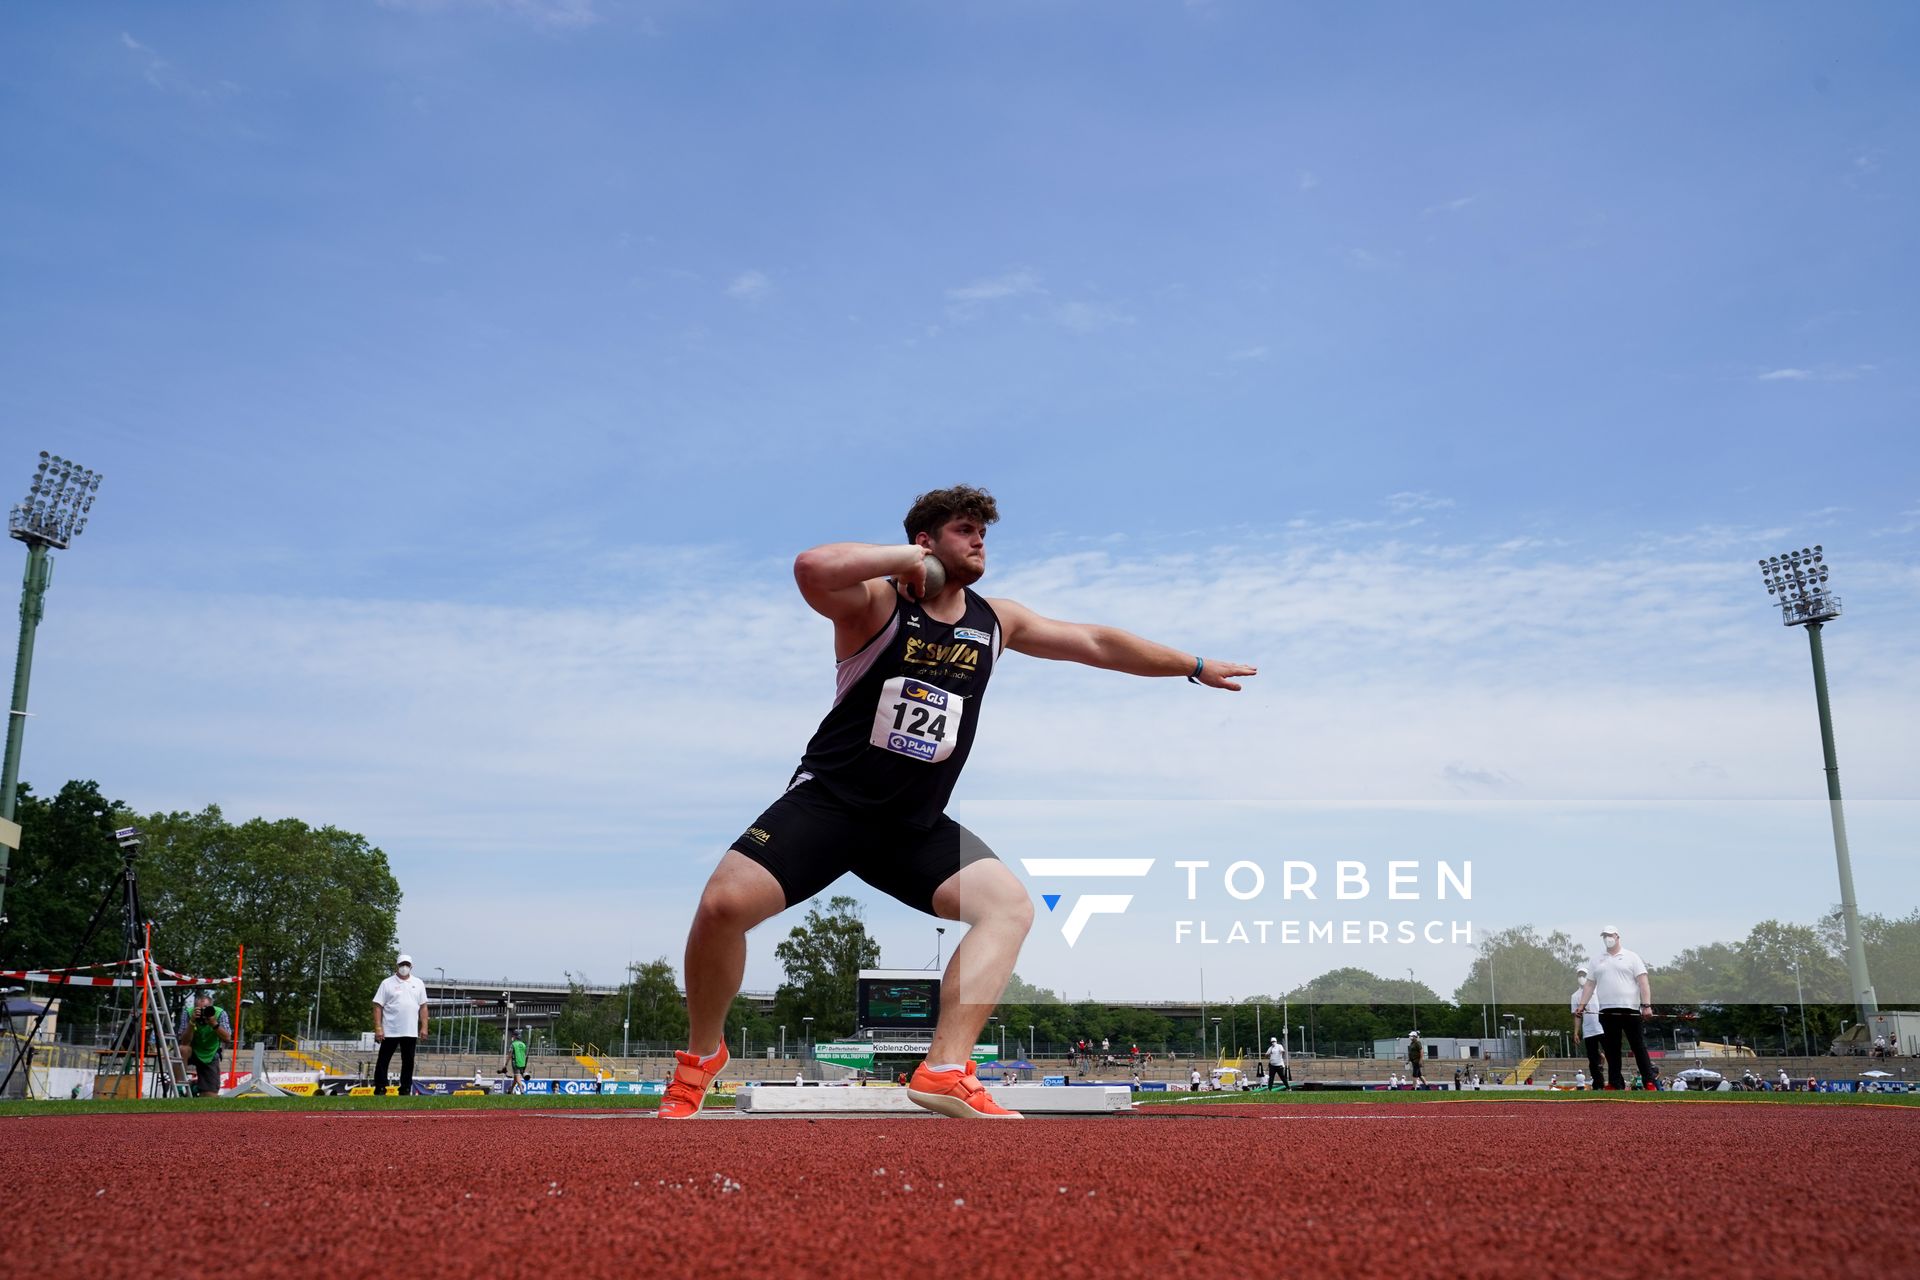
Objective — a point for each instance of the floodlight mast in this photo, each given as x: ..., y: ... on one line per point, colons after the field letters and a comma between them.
x: 1798, y: 580
x: 52, y: 515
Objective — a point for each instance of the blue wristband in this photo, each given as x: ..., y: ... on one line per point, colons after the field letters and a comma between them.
x: 1199, y: 665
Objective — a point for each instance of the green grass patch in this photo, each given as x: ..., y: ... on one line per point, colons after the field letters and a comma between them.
x: 366, y: 1102
x: 1384, y: 1097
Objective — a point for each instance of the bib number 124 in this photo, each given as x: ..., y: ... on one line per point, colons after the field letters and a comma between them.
x: 917, y: 719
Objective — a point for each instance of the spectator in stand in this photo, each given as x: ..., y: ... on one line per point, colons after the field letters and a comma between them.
x: 399, y: 1022
x: 1587, y: 1026
x: 1879, y: 1046
x: 1619, y: 983
x: 1456, y: 1079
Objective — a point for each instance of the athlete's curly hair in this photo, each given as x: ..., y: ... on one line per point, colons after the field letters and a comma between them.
x: 931, y: 511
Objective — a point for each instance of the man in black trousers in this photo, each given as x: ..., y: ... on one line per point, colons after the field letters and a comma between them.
x: 1587, y: 1026
x: 1619, y: 985
x: 399, y: 1022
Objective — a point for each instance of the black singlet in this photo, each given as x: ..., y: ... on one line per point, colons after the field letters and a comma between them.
x: 904, y: 712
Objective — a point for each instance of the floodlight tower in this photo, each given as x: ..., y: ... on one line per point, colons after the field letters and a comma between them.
x: 1798, y: 580
x: 52, y: 515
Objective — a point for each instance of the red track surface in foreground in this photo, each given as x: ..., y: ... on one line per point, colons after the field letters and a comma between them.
x: 1328, y: 1190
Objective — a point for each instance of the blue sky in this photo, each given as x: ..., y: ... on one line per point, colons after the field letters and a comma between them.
x: 466, y: 374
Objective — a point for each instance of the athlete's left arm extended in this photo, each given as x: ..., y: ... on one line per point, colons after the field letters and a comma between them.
x: 1109, y: 648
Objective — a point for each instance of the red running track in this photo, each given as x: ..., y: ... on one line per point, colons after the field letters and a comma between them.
x: 1534, y: 1189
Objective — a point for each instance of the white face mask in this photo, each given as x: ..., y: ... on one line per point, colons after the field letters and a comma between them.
x: 405, y: 971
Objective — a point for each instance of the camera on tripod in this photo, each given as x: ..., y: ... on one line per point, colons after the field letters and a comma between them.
x: 128, y: 838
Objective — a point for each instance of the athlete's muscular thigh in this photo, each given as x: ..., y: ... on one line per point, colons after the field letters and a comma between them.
x: 981, y: 890
x: 741, y: 892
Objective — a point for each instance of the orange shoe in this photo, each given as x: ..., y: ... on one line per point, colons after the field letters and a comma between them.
x: 688, y: 1088
x: 958, y: 1094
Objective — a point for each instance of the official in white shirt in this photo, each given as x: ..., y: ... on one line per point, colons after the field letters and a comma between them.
x: 1277, y: 1064
x: 1587, y: 1027
x: 399, y: 1022
x: 1619, y: 986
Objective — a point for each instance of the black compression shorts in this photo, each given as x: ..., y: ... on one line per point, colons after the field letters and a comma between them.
x: 807, y: 840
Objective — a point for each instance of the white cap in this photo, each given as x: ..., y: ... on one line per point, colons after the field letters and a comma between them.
x: 1273, y: 1039
x: 1413, y: 1035
x: 1607, y: 930
x: 404, y: 959
x: 1582, y: 971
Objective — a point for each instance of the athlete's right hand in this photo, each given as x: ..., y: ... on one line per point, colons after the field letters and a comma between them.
x: 913, y: 579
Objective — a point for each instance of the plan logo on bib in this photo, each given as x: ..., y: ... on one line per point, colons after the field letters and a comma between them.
x: 1089, y: 905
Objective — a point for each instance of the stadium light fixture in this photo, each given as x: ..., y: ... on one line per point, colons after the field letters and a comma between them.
x: 1798, y: 581
x: 52, y: 515
x: 1800, y: 995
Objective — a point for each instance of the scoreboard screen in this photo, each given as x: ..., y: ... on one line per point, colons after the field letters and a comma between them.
x: 899, y: 1004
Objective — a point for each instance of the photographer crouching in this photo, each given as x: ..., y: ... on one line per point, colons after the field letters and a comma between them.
x: 203, y: 1030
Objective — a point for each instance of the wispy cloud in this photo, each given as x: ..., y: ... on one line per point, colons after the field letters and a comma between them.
x: 1088, y: 317
x: 546, y: 13
x: 1308, y: 180
x: 1464, y: 778
x: 1256, y: 354
x: 1907, y: 521
x: 164, y: 76
x: 1073, y: 315
x: 750, y: 286
x: 1018, y: 283
x: 1416, y: 501
x: 1448, y: 206
x: 1823, y: 373
x: 1371, y: 259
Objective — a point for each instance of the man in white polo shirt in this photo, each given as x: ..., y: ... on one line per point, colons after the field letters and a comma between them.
x: 1618, y: 985
x: 1277, y: 1065
x: 399, y: 1022
x: 1587, y: 1027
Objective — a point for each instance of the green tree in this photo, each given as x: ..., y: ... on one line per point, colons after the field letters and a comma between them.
x: 1518, y: 972
x: 659, y: 1010
x: 286, y: 890
x: 587, y: 1019
x: 823, y: 957
x: 1893, y: 958
x: 67, y: 863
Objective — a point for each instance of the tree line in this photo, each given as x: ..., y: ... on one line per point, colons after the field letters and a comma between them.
x: 316, y: 906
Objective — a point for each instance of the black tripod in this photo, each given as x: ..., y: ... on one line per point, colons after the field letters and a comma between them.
x: 127, y: 1040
